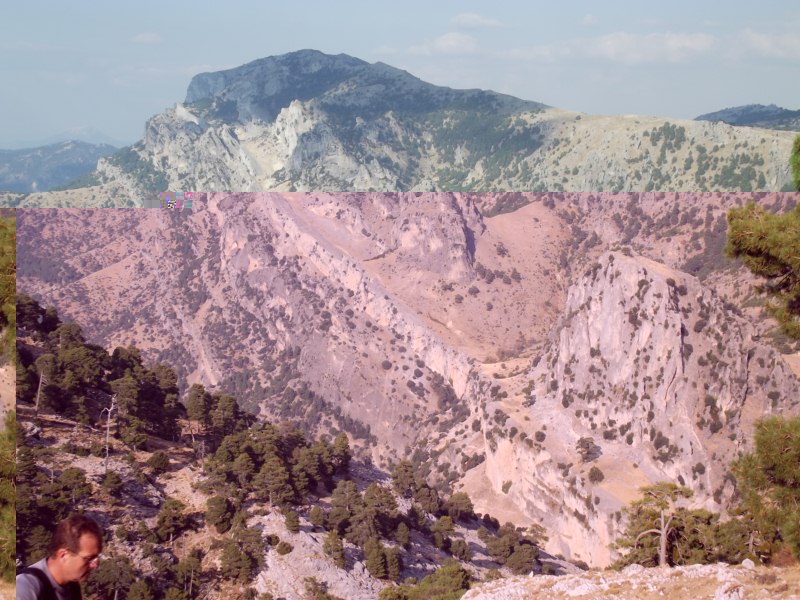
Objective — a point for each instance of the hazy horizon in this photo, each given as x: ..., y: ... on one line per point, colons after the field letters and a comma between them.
x: 104, y: 70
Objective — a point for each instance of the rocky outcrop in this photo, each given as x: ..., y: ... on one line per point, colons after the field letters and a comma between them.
x: 647, y: 376
x: 717, y: 582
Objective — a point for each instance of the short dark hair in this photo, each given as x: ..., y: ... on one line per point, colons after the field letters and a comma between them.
x: 68, y: 533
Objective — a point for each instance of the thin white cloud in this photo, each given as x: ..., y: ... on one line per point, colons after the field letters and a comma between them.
x: 544, y: 53
x: 134, y: 75
x: 589, y: 19
x: 204, y: 68
x: 453, y: 43
x: 633, y: 48
x: 29, y: 46
x: 623, y: 48
x: 783, y: 46
x: 67, y: 78
x: 147, y: 37
x: 474, y: 21
x: 387, y: 50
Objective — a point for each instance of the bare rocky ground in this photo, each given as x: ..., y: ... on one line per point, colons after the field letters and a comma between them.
x: 7, y: 402
x: 7, y: 390
x: 8, y: 591
x: 715, y: 582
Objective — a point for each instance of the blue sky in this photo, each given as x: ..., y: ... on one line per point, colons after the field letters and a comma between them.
x: 79, y: 66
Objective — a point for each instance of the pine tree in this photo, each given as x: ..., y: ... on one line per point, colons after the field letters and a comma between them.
x: 171, y: 519
x: 218, y: 513
x: 345, y: 501
x: 139, y: 591
x: 402, y: 535
x: 655, y: 514
x: 333, y: 547
x: 317, y: 516
x: 226, y: 417
x: 442, y: 529
x: 459, y: 506
x: 523, y: 559
x: 69, y: 335
x: 769, y: 245
x: 73, y: 486
x: 158, y: 462
x: 305, y: 471
x: 341, y: 454
x: 8, y: 516
x: 175, y: 594
x: 274, y: 483
x: 324, y: 453
x: 251, y: 542
x: 382, y: 501
x: 26, y: 465
x: 198, y: 405
x: 243, y: 469
x: 113, y: 577
x: 125, y: 360
x: 461, y: 550
x: 769, y: 480
x: 235, y: 564
x: 189, y: 571
x: 403, y: 478
x: 363, y: 525
x: 394, y: 564
x: 427, y: 498
x: 112, y: 484
x: 375, y: 558
x: 292, y: 521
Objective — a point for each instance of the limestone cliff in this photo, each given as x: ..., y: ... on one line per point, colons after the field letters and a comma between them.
x: 647, y: 376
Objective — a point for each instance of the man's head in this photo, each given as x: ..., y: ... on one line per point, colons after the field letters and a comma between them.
x: 74, y: 549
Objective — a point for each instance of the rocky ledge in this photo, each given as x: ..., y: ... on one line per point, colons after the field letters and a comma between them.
x: 717, y: 582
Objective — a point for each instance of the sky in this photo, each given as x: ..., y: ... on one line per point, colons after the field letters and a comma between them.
x: 90, y: 69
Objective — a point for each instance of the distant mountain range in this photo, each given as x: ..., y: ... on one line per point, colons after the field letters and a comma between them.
x: 312, y: 121
x: 47, y: 167
x: 90, y: 135
x: 757, y: 115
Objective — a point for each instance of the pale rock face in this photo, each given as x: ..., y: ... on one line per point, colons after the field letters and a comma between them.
x: 284, y: 576
x: 661, y: 376
x: 721, y: 582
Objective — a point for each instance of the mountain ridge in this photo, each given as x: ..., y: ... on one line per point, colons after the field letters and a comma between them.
x: 48, y: 167
x: 311, y: 121
x: 757, y: 115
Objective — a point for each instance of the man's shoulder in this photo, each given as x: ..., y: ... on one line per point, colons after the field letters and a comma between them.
x: 36, y: 583
x: 30, y: 584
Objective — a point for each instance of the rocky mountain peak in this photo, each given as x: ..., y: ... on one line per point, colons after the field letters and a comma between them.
x: 310, y: 121
x: 260, y: 89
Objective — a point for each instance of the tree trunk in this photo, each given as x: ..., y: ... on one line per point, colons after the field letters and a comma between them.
x: 662, y: 547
